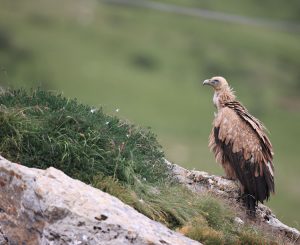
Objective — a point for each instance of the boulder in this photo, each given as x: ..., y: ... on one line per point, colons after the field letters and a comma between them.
x: 48, y: 207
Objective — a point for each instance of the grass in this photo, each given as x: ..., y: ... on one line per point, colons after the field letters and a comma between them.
x: 150, y: 65
x: 41, y: 129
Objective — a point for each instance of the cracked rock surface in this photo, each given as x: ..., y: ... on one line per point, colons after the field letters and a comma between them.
x: 48, y: 207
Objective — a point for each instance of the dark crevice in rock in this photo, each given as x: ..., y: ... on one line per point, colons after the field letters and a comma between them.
x: 102, y: 217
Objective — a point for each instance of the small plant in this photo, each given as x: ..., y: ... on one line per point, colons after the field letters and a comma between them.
x: 199, y: 230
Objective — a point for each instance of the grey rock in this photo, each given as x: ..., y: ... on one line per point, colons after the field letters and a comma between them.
x: 48, y: 207
x: 3, y: 239
x: 199, y: 181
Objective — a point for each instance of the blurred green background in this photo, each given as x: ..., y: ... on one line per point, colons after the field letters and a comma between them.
x: 150, y: 64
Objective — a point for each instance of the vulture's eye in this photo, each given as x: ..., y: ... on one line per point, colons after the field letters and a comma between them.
x: 215, y: 81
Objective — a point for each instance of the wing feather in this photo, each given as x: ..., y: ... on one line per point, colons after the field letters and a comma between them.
x: 256, y: 125
x: 241, y: 145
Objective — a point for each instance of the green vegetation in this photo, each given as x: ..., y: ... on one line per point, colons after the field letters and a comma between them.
x: 40, y: 129
x: 268, y: 9
x: 150, y: 65
x: 199, y: 229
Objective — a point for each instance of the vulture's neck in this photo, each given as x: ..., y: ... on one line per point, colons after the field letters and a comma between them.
x: 222, y: 96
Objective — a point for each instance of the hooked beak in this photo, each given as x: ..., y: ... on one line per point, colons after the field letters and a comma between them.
x: 206, y: 82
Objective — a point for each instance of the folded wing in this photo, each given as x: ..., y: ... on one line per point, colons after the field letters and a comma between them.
x: 241, y: 145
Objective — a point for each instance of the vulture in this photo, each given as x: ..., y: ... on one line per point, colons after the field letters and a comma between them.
x: 240, y: 144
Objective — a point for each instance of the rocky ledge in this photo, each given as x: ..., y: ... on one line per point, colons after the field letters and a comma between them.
x: 48, y: 207
x: 199, y: 182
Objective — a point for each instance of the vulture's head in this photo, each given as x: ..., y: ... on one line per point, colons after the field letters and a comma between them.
x: 218, y: 83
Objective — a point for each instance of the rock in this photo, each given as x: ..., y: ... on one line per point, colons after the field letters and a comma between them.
x: 199, y: 181
x: 48, y: 207
x: 239, y: 221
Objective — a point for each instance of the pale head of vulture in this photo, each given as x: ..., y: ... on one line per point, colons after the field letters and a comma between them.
x: 218, y: 83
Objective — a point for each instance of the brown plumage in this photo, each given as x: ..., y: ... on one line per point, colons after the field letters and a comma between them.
x: 241, y: 146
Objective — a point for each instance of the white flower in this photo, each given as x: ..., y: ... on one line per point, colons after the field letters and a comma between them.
x: 106, y: 123
x: 93, y: 110
x: 127, y: 135
x: 117, y: 110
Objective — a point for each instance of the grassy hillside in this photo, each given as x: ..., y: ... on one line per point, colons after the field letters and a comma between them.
x: 40, y: 129
x: 151, y: 64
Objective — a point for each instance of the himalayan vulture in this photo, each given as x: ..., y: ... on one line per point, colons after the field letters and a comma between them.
x: 240, y: 144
